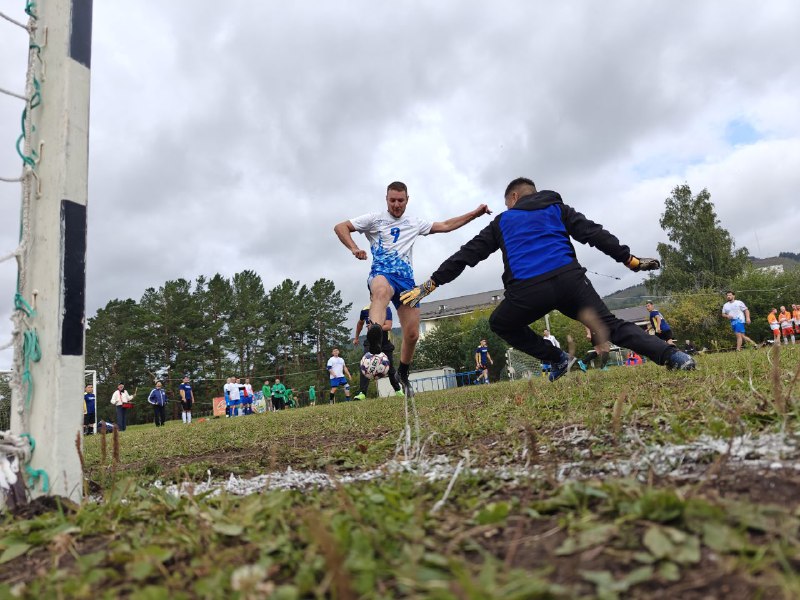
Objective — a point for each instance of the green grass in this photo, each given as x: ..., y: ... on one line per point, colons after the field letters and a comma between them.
x: 722, y: 536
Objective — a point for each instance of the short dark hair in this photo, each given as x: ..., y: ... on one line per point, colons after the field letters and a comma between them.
x: 518, y: 183
x: 397, y: 186
x: 731, y: 292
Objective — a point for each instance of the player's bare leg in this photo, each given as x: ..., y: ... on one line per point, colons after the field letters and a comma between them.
x: 380, y: 295
x: 409, y: 321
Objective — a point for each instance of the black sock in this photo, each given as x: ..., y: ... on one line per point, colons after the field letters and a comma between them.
x: 331, y: 396
x: 403, y: 370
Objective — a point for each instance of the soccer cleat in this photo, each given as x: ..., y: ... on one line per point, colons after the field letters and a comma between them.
x: 400, y: 394
x: 681, y: 361
x: 406, y: 385
x: 582, y: 366
x: 562, y: 366
x: 360, y: 396
x: 374, y: 338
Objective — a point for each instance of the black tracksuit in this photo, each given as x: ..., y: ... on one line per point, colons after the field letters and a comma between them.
x: 542, y: 273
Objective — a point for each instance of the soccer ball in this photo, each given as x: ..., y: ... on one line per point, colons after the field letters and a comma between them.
x: 375, y: 366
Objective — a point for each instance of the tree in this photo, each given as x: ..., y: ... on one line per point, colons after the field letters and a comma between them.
x: 702, y: 253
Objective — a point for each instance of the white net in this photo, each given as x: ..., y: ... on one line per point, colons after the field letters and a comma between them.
x: 521, y: 365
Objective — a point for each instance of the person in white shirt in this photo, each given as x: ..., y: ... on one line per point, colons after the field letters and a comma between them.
x: 546, y: 335
x: 391, y: 235
x: 232, y: 391
x: 337, y: 371
x: 123, y: 401
x: 738, y: 314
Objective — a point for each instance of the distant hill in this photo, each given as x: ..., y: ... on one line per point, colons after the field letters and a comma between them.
x: 788, y: 260
x: 633, y: 296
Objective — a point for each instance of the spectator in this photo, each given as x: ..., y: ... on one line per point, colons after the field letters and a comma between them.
x: 312, y: 396
x: 123, y: 402
x: 158, y: 399
x: 546, y: 335
x: 290, y: 398
x: 187, y: 399
x: 633, y: 359
x: 89, y: 402
x: 266, y: 392
x: 787, y: 325
x: 278, y: 395
x: 775, y: 327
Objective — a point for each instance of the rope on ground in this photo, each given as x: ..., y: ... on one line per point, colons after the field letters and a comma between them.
x: 440, y: 503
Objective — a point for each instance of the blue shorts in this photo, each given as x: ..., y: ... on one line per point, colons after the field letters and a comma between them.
x: 399, y: 285
x: 737, y: 326
x: 339, y: 381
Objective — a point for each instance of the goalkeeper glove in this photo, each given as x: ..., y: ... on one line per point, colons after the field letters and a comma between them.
x: 413, y: 296
x: 642, y: 264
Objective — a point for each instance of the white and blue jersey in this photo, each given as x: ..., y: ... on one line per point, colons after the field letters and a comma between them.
x: 391, y: 242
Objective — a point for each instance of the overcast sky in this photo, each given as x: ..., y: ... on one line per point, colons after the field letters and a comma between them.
x: 232, y: 136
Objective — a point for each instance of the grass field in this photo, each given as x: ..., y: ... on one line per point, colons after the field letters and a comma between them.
x: 631, y: 483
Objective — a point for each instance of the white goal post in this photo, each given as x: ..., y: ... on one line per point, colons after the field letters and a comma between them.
x: 52, y: 260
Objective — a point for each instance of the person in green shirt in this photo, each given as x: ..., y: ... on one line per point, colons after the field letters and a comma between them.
x: 290, y: 398
x: 278, y: 395
x: 312, y: 396
x: 266, y: 392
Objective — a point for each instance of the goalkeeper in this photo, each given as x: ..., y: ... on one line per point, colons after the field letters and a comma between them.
x: 542, y: 274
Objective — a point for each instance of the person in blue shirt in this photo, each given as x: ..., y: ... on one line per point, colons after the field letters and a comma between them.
x: 89, y: 404
x: 387, y: 347
x: 659, y: 324
x: 158, y: 400
x: 482, y: 361
x: 187, y: 399
x: 542, y: 273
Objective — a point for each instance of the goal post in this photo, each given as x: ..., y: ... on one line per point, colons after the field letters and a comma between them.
x: 52, y: 264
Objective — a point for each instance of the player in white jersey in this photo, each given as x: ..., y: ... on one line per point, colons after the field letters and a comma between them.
x: 391, y: 236
x: 738, y: 314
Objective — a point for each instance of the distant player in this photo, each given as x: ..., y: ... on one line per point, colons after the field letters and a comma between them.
x: 391, y: 235
x: 482, y: 361
x: 738, y: 314
x: 187, y: 399
x: 786, y: 320
x: 387, y: 347
x: 774, y: 326
x: 546, y: 335
x: 337, y: 371
x: 266, y: 393
x: 601, y: 350
x: 89, y: 403
x: 659, y: 324
x: 542, y: 273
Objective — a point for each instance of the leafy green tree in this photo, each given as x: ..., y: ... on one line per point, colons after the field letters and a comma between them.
x: 213, y: 297
x: 247, y: 319
x: 702, y: 253
x: 442, y: 347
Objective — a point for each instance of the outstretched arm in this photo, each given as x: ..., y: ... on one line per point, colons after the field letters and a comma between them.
x: 343, y: 232
x: 456, y: 222
x: 474, y: 251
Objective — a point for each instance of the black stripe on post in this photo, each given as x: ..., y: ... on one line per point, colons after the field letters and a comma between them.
x: 80, y: 38
x: 73, y: 223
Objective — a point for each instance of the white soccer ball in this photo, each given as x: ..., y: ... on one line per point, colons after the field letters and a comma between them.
x: 375, y: 366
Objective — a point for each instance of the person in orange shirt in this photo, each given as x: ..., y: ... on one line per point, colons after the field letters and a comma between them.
x: 796, y: 315
x: 772, y: 319
x: 787, y: 325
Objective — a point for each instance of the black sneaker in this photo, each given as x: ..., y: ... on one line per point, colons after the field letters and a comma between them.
x: 374, y: 338
x: 405, y: 384
x: 562, y: 366
x: 681, y: 361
